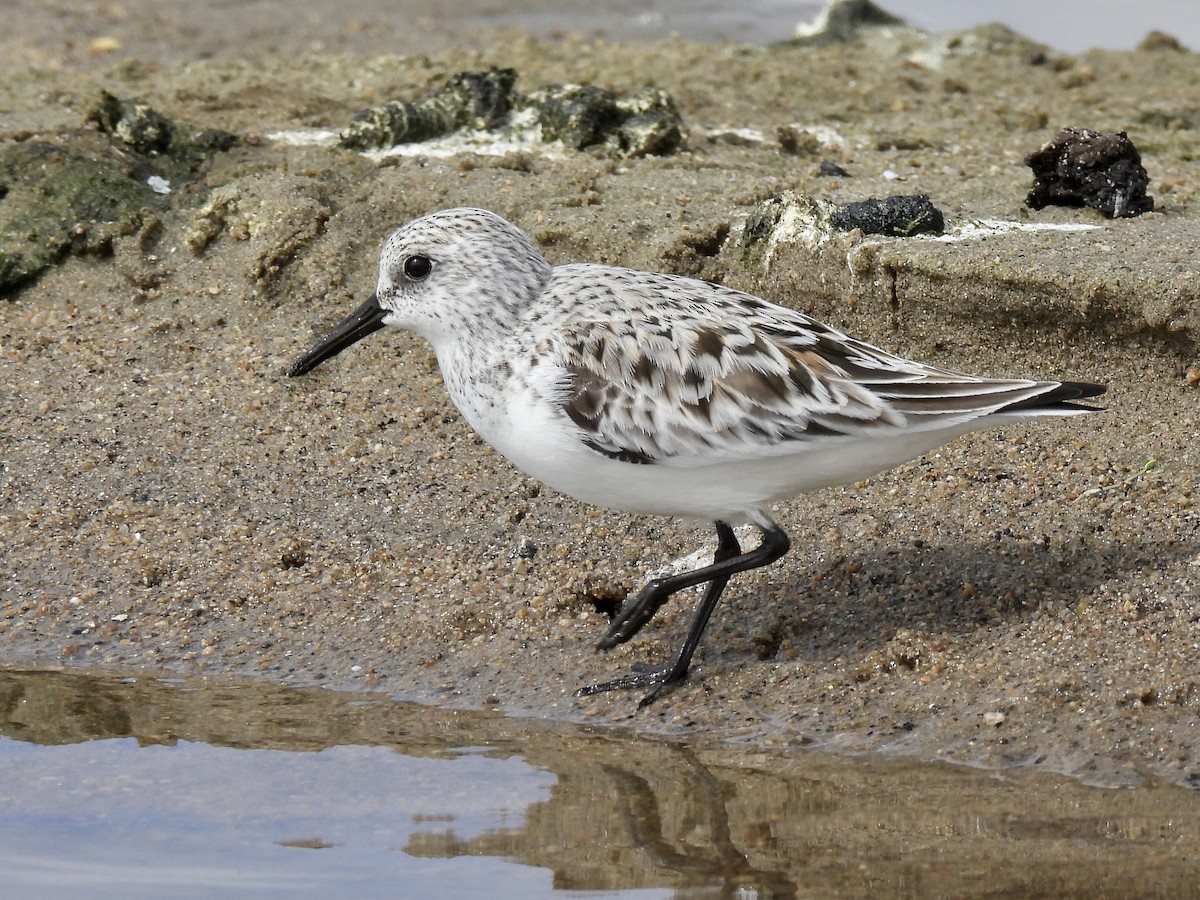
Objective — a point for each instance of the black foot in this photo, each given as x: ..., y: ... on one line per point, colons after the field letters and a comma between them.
x: 727, y: 561
x: 635, y: 614
x: 658, y: 678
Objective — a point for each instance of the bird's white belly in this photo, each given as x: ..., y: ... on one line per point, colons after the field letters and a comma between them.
x: 544, y: 443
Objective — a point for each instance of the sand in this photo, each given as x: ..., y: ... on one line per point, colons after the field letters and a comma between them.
x: 170, y: 500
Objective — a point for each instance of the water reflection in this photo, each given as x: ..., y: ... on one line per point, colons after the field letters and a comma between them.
x: 145, y: 786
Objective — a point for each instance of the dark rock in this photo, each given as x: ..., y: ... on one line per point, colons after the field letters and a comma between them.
x: 843, y: 21
x: 900, y: 216
x: 1081, y: 167
x: 485, y: 98
x: 137, y: 125
x: 650, y: 134
x: 469, y: 99
x: 397, y: 122
x: 578, y: 115
x: 796, y: 141
x: 650, y: 126
x: 215, y: 139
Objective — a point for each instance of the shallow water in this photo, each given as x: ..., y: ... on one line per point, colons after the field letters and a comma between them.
x: 119, y: 786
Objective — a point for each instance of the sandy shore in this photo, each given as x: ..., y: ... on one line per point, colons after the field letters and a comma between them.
x: 169, y: 499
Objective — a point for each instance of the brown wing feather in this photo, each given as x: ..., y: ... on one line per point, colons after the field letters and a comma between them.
x: 721, y: 372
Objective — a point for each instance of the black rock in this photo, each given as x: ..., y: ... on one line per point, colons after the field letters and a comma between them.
x: 1081, y: 167
x: 899, y: 216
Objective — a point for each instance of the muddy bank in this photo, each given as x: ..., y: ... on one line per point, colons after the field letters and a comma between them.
x: 171, y: 500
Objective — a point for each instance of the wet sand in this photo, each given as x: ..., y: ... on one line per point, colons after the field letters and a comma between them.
x: 170, y: 500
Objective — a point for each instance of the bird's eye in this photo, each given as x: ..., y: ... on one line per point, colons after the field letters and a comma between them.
x: 417, y: 268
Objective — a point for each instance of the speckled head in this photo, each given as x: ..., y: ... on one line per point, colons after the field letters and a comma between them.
x: 451, y: 276
x: 457, y: 270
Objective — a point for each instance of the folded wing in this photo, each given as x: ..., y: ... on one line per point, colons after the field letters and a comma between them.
x: 730, y: 375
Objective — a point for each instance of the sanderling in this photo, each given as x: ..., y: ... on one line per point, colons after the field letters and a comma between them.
x: 664, y: 395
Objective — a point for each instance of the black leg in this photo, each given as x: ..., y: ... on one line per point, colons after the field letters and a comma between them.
x: 727, y: 562
x: 635, y: 614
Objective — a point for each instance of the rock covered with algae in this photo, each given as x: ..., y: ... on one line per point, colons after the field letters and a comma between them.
x: 79, y: 190
x: 581, y: 116
x: 479, y: 100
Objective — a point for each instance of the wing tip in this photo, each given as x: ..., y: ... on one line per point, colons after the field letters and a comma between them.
x: 1061, y: 396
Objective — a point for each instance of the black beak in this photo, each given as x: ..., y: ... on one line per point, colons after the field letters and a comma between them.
x: 352, y: 329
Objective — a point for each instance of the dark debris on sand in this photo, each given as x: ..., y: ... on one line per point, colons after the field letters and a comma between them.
x: 1081, y: 167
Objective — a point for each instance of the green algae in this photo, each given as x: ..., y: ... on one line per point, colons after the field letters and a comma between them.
x: 79, y: 190
x: 72, y: 194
